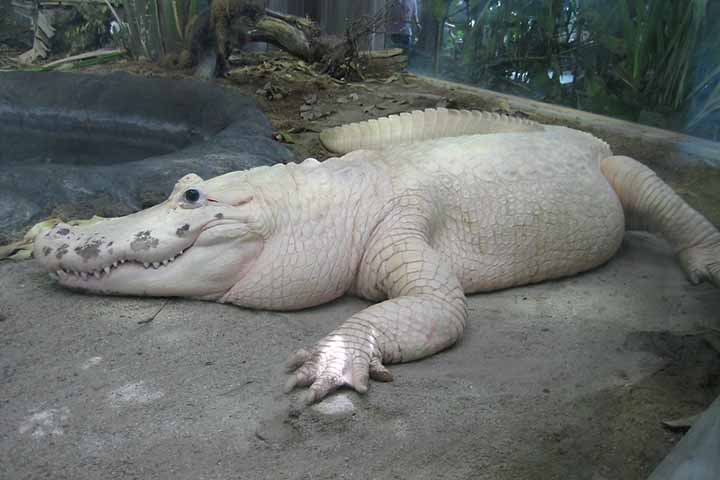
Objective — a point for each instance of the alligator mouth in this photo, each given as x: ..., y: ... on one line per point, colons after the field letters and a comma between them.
x: 107, y: 270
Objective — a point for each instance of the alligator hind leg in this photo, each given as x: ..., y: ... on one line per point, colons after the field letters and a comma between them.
x: 651, y: 205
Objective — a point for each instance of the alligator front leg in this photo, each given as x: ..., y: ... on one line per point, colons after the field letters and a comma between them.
x: 425, y: 313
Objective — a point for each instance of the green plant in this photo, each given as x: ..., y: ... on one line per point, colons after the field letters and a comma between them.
x: 513, y: 44
x: 440, y: 10
x: 626, y: 58
x: 161, y: 29
x: 704, y: 98
x: 91, y: 29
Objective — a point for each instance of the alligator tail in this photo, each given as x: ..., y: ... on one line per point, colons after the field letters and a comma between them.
x: 418, y: 126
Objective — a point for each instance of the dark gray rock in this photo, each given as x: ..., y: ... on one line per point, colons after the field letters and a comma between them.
x: 68, y: 141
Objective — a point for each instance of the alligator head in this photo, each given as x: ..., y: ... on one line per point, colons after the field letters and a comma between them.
x: 199, y: 243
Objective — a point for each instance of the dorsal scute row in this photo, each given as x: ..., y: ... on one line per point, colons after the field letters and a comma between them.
x: 418, y: 126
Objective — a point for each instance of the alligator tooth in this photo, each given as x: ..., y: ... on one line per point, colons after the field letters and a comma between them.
x: 106, y: 270
x: 146, y: 265
x: 83, y: 275
x: 171, y: 259
x: 156, y: 265
x: 122, y: 261
x: 165, y: 262
x: 115, y: 264
x: 97, y: 274
x: 53, y: 275
x: 62, y: 274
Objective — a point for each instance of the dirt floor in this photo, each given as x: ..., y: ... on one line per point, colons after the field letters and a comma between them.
x: 566, y: 380
x: 562, y: 380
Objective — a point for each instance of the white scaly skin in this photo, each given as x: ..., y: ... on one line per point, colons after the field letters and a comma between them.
x: 413, y: 227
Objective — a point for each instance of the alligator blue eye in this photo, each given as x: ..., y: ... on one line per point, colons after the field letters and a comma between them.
x: 192, y: 195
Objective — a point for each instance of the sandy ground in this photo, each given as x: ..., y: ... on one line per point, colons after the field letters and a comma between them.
x: 566, y: 380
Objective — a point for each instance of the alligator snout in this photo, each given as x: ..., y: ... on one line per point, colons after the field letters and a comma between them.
x: 52, y: 246
x: 65, y: 245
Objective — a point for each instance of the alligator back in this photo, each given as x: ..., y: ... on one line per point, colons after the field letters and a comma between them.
x: 512, y: 208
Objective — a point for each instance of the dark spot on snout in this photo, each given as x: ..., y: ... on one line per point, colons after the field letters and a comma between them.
x: 219, y: 216
x: 144, y: 241
x: 110, y: 244
x: 63, y: 231
x: 91, y: 249
x: 47, y: 251
x: 61, y: 251
x: 180, y: 232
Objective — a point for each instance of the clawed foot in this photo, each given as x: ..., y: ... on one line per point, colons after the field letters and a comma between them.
x: 335, y: 362
x: 702, y: 263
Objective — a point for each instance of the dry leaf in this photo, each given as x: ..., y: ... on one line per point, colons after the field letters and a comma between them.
x: 284, y: 137
x: 684, y: 423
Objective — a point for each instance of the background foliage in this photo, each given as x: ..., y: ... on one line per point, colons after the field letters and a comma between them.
x: 652, y: 61
x: 87, y: 30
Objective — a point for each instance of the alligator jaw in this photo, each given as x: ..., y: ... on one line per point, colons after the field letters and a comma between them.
x: 69, y: 276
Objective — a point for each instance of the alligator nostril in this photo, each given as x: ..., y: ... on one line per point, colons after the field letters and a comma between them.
x: 61, y: 229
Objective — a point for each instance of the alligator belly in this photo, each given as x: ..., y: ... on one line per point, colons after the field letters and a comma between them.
x: 503, y: 234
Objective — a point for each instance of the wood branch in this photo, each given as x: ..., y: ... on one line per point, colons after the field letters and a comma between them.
x: 232, y: 23
x: 383, y: 63
x: 285, y: 35
x: 87, y: 55
x: 288, y: 18
x: 61, y: 3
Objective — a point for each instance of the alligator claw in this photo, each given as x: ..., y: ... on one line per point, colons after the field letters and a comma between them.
x: 334, y: 363
x: 300, y: 357
x: 701, y: 264
x: 378, y: 371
